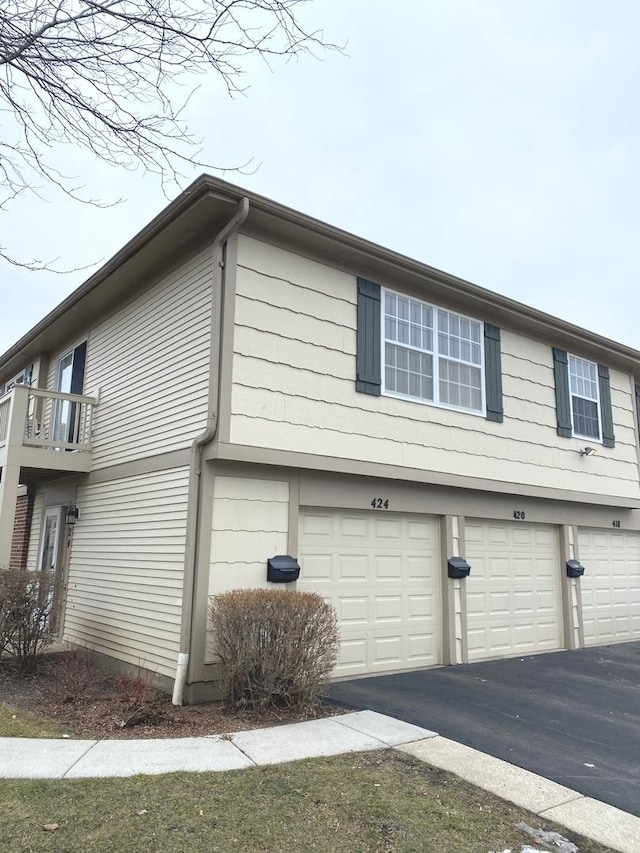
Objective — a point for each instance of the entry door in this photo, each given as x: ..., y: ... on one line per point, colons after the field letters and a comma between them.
x: 50, y: 555
x: 69, y: 380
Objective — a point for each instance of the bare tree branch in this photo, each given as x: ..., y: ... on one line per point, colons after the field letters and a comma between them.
x: 104, y: 75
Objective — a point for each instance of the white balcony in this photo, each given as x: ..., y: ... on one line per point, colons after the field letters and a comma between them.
x: 44, y: 432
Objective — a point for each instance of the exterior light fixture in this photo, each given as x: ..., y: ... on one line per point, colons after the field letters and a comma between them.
x: 588, y: 451
x: 72, y: 514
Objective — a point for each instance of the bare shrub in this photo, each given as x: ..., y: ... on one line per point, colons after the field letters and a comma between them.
x: 277, y: 649
x: 74, y: 675
x: 136, y: 689
x: 26, y: 599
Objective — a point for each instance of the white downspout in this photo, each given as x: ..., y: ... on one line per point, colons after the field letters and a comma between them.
x: 207, y: 435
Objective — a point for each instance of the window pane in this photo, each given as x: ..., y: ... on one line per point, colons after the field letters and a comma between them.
x: 390, y: 379
x: 459, y: 337
x: 585, y: 417
x: 583, y: 377
x: 408, y: 372
x: 390, y: 328
x: 460, y: 385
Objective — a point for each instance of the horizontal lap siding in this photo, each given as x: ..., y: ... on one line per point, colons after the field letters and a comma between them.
x: 126, y: 569
x: 250, y: 523
x: 149, y: 363
x: 294, y: 389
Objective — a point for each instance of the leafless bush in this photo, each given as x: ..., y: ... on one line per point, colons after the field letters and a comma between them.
x: 26, y: 599
x: 136, y: 689
x: 277, y: 649
x: 72, y: 677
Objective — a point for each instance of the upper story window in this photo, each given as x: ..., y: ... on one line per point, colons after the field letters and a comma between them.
x: 431, y: 354
x: 23, y: 378
x: 585, y: 398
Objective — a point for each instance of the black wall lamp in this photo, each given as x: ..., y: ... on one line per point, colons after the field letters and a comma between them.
x: 72, y: 514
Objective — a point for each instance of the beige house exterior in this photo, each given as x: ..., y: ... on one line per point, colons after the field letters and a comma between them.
x: 242, y: 381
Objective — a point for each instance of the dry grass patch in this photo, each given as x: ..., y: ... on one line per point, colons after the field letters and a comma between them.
x: 378, y: 801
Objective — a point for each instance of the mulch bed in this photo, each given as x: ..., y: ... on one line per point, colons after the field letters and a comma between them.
x: 92, y: 703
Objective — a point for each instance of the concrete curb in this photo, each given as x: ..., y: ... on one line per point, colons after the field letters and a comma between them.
x: 34, y: 758
x: 593, y: 819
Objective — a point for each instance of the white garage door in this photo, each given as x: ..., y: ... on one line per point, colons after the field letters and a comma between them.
x: 513, y: 591
x: 610, y: 586
x: 380, y: 571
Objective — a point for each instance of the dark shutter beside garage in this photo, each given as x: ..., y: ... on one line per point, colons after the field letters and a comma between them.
x: 638, y: 404
x: 493, y: 372
x: 563, y: 400
x: 608, y: 437
x: 368, y: 373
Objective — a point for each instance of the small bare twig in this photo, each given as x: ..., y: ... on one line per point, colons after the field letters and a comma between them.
x: 105, y: 76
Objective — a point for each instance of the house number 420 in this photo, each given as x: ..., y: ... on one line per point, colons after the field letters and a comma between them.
x: 380, y: 503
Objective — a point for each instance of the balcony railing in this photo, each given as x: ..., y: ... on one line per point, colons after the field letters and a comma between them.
x: 48, y: 420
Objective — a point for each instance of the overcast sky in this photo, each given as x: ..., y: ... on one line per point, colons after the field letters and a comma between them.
x: 498, y: 140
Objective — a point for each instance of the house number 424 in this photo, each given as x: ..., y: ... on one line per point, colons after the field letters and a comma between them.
x: 380, y: 503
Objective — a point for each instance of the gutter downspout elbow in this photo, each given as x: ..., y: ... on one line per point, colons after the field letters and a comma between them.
x: 206, y: 436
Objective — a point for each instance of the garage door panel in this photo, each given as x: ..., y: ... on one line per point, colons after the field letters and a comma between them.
x: 388, y: 608
x: 388, y: 567
x: 610, y: 587
x: 382, y: 575
x: 513, y: 592
x: 350, y: 567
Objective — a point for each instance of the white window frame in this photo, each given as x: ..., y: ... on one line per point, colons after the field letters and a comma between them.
x: 481, y: 413
x: 25, y: 377
x: 595, y: 400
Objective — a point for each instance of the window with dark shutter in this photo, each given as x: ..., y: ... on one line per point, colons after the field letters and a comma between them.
x: 583, y: 398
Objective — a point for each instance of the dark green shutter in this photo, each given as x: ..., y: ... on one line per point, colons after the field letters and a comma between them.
x: 638, y: 404
x: 563, y: 400
x: 493, y: 373
x: 606, y: 414
x: 368, y: 375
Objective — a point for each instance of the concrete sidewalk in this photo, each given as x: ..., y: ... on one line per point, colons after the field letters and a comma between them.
x: 31, y: 758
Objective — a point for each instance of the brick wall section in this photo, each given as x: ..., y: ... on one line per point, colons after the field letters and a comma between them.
x: 21, y: 531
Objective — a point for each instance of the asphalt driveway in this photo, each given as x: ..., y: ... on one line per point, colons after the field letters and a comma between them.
x: 571, y: 716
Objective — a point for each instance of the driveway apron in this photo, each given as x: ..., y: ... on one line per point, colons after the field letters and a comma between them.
x: 572, y: 716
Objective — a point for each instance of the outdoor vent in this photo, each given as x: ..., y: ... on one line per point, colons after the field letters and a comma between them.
x: 458, y: 568
x: 282, y: 569
x: 575, y: 569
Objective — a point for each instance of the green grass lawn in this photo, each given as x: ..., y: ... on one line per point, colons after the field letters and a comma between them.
x: 17, y: 723
x: 376, y: 801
